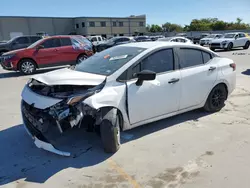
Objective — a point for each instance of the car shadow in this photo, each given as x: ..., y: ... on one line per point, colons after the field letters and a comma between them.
x: 246, y: 72
x: 147, y: 129
x: 224, y: 50
x: 12, y: 74
x: 21, y: 159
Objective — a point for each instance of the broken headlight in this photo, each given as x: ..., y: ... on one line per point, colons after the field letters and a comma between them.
x: 79, y: 98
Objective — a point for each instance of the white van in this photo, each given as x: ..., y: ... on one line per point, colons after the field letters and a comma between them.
x: 96, y: 39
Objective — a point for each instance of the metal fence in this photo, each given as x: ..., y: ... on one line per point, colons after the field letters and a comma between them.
x: 196, y: 33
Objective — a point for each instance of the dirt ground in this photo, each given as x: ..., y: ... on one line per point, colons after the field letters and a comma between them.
x: 191, y: 150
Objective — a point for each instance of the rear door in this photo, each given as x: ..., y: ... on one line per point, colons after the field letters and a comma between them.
x: 67, y: 53
x: 198, y: 76
x: 242, y: 39
x: 49, y: 55
x: 20, y: 42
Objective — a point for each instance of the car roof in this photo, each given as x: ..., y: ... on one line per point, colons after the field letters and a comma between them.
x: 157, y: 44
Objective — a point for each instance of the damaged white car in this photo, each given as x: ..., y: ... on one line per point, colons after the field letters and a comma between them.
x: 124, y: 87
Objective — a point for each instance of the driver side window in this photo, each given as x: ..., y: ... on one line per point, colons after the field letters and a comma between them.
x: 158, y: 62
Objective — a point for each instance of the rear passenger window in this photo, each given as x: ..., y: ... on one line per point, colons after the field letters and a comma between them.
x: 66, y: 42
x: 51, y: 43
x: 190, y: 57
x: 161, y: 61
x: 34, y: 39
x: 206, y: 57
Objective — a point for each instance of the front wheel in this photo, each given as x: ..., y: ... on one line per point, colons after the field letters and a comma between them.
x: 110, y: 130
x: 230, y: 46
x: 216, y: 99
x: 27, y: 66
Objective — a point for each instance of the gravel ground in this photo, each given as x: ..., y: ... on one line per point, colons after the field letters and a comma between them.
x: 191, y: 150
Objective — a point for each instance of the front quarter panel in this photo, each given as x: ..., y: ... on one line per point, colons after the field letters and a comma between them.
x: 112, y: 95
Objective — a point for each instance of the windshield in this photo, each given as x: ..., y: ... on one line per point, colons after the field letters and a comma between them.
x: 229, y: 35
x: 109, y: 61
x: 35, y: 44
x: 166, y: 39
x: 211, y: 36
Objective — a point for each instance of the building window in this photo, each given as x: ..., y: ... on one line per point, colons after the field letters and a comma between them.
x: 77, y: 25
x: 141, y: 24
x: 83, y: 24
x: 120, y: 24
x: 103, y: 24
x: 91, y: 24
x: 114, y: 24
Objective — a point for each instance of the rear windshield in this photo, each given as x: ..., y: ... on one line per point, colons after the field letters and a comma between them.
x: 109, y: 61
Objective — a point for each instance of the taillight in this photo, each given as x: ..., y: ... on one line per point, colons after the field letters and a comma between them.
x: 233, y: 65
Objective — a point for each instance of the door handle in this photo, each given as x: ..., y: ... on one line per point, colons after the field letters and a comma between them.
x: 56, y: 50
x: 173, y: 80
x: 212, y: 68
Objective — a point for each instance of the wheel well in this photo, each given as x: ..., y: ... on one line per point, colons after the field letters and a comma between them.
x: 81, y: 55
x: 105, y: 109
x: 28, y: 59
x: 223, y: 84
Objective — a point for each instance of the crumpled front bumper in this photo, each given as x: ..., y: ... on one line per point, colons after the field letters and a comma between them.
x: 39, y: 140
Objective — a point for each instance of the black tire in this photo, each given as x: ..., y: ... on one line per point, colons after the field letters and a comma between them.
x: 202, y: 44
x: 81, y: 58
x: 27, y: 66
x: 246, y: 45
x: 229, y: 46
x: 216, y: 99
x: 110, y: 130
x: 213, y: 49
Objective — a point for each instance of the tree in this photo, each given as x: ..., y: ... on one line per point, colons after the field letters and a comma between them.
x: 155, y: 28
x: 148, y: 27
x: 169, y: 27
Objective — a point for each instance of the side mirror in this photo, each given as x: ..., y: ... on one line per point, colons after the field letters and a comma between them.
x: 145, y: 75
x: 39, y: 47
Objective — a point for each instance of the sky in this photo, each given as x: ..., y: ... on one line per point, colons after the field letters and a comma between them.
x: 157, y: 11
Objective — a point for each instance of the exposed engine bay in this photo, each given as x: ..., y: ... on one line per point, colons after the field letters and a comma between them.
x: 70, y: 112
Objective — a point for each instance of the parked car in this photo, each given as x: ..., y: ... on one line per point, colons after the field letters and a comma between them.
x: 47, y: 52
x: 176, y: 39
x: 96, y: 39
x: 18, y: 43
x: 142, y: 39
x: 231, y: 40
x: 113, y: 42
x: 124, y: 87
x: 196, y: 39
x: 207, y: 40
x: 155, y: 38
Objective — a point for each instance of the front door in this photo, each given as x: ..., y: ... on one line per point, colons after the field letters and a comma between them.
x: 158, y: 97
x: 50, y: 54
x: 198, y: 76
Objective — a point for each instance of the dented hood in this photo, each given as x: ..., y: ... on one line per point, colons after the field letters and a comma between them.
x: 69, y: 77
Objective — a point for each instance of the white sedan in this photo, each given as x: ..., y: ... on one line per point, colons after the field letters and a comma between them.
x: 124, y: 87
x: 176, y: 39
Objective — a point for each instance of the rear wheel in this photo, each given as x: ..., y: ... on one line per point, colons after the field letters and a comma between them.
x: 110, y: 130
x: 81, y: 58
x: 216, y: 99
x: 27, y: 66
x: 246, y: 45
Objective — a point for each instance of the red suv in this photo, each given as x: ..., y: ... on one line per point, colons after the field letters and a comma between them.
x: 48, y: 52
